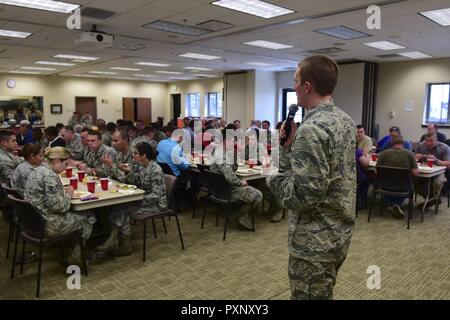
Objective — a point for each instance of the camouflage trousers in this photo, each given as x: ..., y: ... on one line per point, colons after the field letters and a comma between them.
x: 310, y: 280
x: 249, y: 195
x: 261, y: 185
x: 59, y: 225
x: 121, y: 215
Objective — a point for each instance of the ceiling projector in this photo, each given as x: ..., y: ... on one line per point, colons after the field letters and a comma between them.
x: 94, y: 38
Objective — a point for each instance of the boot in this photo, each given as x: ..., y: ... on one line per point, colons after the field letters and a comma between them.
x: 125, y: 247
x: 277, y: 216
x: 112, y: 242
x: 75, y: 257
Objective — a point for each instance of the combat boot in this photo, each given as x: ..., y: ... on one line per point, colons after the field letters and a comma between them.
x: 124, y: 249
x: 277, y: 216
x: 112, y: 242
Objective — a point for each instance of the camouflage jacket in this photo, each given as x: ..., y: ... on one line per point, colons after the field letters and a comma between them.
x: 320, y: 186
x: 107, y: 139
x: 115, y: 172
x: 150, y: 179
x: 93, y: 160
x: 20, y: 176
x: 45, y: 191
x: 227, y: 168
x: 140, y: 139
x: 8, y: 162
x: 76, y: 148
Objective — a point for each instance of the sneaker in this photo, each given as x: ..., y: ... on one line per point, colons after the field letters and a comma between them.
x: 397, y: 212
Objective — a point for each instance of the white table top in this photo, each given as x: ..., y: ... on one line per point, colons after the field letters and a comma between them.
x: 243, y: 172
x: 424, y: 171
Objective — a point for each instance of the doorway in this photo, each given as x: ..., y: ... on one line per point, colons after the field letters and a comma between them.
x: 86, y: 104
x: 138, y: 109
x: 176, y: 106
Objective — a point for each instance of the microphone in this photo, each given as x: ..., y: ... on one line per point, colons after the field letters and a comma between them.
x: 293, y: 108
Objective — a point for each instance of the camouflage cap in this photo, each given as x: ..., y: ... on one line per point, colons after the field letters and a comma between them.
x: 57, y: 153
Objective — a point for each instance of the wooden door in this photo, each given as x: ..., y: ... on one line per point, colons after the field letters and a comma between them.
x: 176, y: 105
x: 128, y: 109
x: 86, y: 104
x: 144, y: 110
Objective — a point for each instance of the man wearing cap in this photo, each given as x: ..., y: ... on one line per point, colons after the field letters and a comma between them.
x: 25, y: 133
x: 395, y: 132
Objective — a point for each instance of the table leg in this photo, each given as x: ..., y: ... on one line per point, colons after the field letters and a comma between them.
x: 436, y: 207
x: 427, y: 198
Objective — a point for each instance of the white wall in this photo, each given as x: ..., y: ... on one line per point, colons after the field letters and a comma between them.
x: 236, y: 99
x: 266, y: 96
x: 399, y: 82
x: 63, y: 90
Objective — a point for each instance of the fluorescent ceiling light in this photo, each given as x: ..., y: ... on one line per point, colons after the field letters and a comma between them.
x: 169, y: 72
x: 144, y: 75
x: 14, y: 34
x: 415, y: 55
x: 268, y: 45
x: 52, y: 63
x: 152, y: 64
x: 206, y: 75
x: 70, y: 56
x: 197, y: 69
x: 176, y: 28
x: 24, y: 72
x: 123, y: 78
x: 38, y: 68
x: 254, y: 7
x: 86, y: 75
x: 78, y: 61
x: 342, y: 32
x: 102, y: 72
x: 198, y: 56
x: 384, y: 45
x: 441, y: 16
x: 125, y: 69
x: 47, y: 5
x: 259, y: 64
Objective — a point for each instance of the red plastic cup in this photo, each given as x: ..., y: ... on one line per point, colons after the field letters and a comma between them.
x: 104, y: 183
x: 74, y: 183
x: 91, y: 186
x: 374, y: 157
x: 251, y: 165
x: 430, y: 163
x: 69, y: 172
x: 81, y: 175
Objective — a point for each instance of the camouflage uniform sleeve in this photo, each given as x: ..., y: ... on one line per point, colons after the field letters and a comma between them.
x: 77, y: 151
x: 305, y: 183
x: 102, y: 170
x: 230, y: 176
x: 56, y: 200
x: 6, y: 170
x: 154, y: 182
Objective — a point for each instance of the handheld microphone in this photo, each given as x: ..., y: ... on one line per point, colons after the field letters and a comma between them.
x: 293, y: 108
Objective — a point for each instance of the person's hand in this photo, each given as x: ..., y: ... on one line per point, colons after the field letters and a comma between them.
x: 82, y: 166
x: 431, y: 157
x: 107, y: 160
x: 125, y: 167
x: 69, y: 191
x: 419, y: 156
x: 244, y: 183
x: 291, y: 137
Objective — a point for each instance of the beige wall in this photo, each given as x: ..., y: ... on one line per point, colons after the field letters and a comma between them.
x: 237, y: 98
x: 63, y: 90
x: 399, y: 82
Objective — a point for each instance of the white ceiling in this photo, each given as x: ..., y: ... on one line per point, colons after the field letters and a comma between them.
x: 400, y: 23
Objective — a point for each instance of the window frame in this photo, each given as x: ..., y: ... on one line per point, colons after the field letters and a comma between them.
x: 188, y: 107
x: 426, y: 120
x: 208, y: 106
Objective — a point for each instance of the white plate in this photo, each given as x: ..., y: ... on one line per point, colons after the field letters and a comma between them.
x: 78, y: 194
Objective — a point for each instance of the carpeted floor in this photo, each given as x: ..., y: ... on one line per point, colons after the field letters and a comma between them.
x: 414, y: 264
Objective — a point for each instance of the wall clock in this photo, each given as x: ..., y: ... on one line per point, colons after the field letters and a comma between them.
x: 11, y: 83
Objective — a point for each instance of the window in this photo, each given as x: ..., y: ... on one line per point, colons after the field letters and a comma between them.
x: 290, y: 97
x: 437, y: 103
x: 193, y: 105
x: 214, y: 105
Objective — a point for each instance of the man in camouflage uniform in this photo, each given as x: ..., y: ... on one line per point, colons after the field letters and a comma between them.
x: 73, y: 143
x: 250, y: 196
x: 93, y: 164
x: 45, y: 191
x: 120, y: 142
x: 147, y: 136
x: 8, y: 161
x: 319, y: 187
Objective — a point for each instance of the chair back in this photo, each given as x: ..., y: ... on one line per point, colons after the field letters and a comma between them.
x: 165, y: 168
x: 30, y: 219
x: 394, y: 179
x: 11, y: 191
x: 218, y: 186
x: 203, y: 180
x: 169, y: 181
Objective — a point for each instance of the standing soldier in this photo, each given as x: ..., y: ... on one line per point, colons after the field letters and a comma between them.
x: 319, y: 187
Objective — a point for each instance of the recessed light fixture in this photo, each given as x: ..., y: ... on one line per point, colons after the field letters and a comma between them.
x: 38, y: 68
x: 176, y: 28
x: 144, y: 75
x: 14, y: 34
x: 24, y: 72
x: 73, y: 57
x: 415, y: 55
x: 46, y: 5
x: 259, y: 64
x: 197, y: 69
x: 268, y: 45
x: 441, y: 16
x: 342, y: 32
x: 169, y: 72
x: 152, y: 64
x: 254, y: 7
x: 198, y: 56
x: 125, y: 69
x: 384, y: 45
x: 103, y: 72
x: 52, y: 63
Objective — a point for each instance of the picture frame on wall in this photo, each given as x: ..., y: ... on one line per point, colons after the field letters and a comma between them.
x: 56, y: 108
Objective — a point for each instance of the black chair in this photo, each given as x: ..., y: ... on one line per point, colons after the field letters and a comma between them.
x: 203, y: 186
x: 390, y: 181
x: 31, y: 229
x: 166, y: 168
x: 219, y: 192
x: 8, y: 213
x: 144, y: 216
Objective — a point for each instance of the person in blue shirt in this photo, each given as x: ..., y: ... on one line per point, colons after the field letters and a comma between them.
x: 170, y: 152
x: 394, y: 132
x: 25, y: 133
